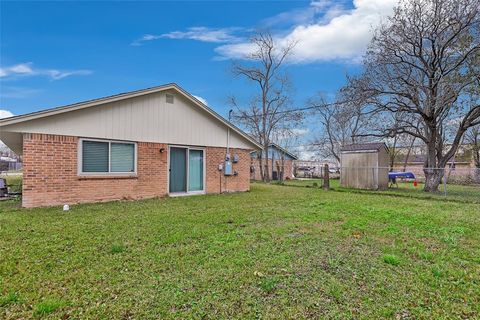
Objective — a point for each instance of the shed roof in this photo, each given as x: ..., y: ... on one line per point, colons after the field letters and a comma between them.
x: 372, y: 146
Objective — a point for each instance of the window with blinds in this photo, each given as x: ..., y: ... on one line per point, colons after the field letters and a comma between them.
x: 122, y: 157
x: 107, y: 157
x: 95, y: 156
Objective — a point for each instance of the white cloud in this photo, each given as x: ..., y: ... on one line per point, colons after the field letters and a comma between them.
x: 17, y: 69
x: 324, y: 31
x: 282, y: 134
x: 22, y: 68
x: 300, y: 132
x: 204, y: 34
x: 314, y: 13
x: 235, y: 51
x: 202, y: 100
x: 57, y: 75
x: 27, y: 69
x: 145, y: 38
x: 305, y: 153
x: 5, y: 114
x: 339, y: 35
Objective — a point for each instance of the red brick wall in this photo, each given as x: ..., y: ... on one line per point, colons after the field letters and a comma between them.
x: 216, y: 181
x: 50, y: 173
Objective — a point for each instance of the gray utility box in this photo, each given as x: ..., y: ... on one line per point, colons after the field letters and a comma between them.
x: 227, y: 168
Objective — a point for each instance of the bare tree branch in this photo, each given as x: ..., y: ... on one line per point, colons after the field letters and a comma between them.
x: 266, y: 112
x: 422, y: 68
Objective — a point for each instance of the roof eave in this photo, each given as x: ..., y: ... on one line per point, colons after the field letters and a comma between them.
x: 284, y: 151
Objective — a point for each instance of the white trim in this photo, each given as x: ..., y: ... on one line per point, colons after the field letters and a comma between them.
x: 80, y: 173
x: 187, y: 155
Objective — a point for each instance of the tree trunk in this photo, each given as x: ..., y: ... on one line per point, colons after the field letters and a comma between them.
x: 476, y: 159
x: 476, y: 174
x: 408, y: 155
x: 393, y: 152
x: 433, y: 178
x: 266, y: 176
x: 262, y: 167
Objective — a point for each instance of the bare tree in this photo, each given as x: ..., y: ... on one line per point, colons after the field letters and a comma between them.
x: 397, y: 145
x: 340, y: 123
x: 409, y: 143
x: 393, y: 151
x: 287, y: 139
x: 423, y: 67
x: 268, y: 108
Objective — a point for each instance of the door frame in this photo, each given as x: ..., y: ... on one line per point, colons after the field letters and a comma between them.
x: 187, y: 155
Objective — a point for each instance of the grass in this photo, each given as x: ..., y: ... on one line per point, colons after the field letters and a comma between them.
x: 276, y: 252
x: 405, y: 189
x: 48, y: 306
x: 14, y: 182
x: 391, y: 259
x: 117, y: 248
x: 10, y: 297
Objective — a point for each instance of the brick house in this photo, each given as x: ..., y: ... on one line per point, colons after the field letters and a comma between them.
x: 148, y: 143
x: 280, y: 163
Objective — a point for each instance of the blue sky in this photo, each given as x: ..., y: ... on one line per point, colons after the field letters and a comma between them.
x: 57, y: 53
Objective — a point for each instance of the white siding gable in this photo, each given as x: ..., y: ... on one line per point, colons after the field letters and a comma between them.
x: 143, y: 118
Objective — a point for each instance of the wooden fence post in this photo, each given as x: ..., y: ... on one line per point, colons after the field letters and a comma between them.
x: 326, y: 177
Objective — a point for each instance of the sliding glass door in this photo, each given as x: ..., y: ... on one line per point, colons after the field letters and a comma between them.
x: 195, y: 170
x: 186, y: 170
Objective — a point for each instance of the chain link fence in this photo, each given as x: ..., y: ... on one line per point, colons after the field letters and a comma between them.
x: 454, y: 182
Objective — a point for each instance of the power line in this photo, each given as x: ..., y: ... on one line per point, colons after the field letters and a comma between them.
x: 293, y: 110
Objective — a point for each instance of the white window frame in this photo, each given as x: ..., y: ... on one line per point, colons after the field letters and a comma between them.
x: 188, y: 148
x: 109, y: 173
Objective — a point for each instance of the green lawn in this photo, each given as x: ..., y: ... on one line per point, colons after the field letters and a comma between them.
x: 276, y: 252
x: 14, y: 182
x: 455, y: 192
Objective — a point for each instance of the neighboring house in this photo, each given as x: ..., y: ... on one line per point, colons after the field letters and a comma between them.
x: 364, y: 166
x: 314, y: 168
x: 148, y: 143
x: 280, y: 163
x: 460, y: 168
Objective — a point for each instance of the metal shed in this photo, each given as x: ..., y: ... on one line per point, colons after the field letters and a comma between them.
x: 364, y: 166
